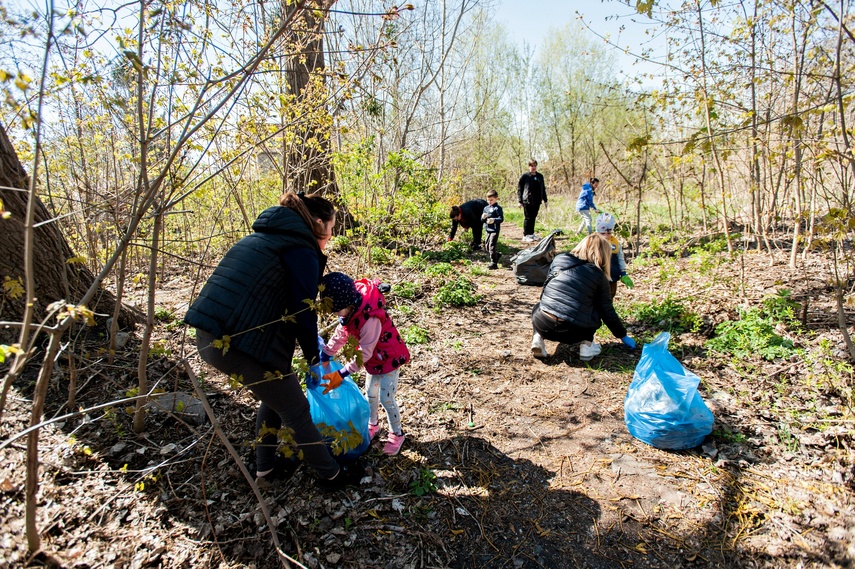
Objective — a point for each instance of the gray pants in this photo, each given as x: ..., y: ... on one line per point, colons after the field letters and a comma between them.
x: 283, y: 403
x: 493, y: 246
x: 586, y: 221
x: 382, y: 389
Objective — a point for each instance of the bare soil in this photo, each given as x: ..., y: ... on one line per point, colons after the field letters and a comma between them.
x: 533, y: 463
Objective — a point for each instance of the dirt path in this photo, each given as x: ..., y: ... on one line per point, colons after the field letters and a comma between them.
x: 510, y: 462
x: 561, y: 417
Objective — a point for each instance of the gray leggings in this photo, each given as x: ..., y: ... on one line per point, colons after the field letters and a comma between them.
x: 282, y: 403
x: 382, y: 389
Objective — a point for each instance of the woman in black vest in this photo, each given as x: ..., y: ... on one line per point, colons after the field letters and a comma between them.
x: 576, y: 300
x: 249, y: 316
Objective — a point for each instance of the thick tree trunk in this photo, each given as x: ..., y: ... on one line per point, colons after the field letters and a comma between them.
x: 55, y: 278
x: 308, y: 165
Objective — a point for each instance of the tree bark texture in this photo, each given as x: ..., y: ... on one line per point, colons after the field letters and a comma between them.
x: 308, y: 165
x: 55, y: 278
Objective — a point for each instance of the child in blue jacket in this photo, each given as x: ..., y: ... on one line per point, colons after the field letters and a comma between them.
x: 585, y: 204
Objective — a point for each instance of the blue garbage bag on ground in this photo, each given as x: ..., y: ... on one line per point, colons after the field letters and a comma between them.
x: 663, y: 407
x: 344, y: 408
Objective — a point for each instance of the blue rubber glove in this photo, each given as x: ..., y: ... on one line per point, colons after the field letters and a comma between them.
x: 628, y: 342
x: 312, y: 381
x: 624, y: 278
x: 324, y: 357
x: 333, y: 380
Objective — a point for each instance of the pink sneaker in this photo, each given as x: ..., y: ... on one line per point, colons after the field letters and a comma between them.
x: 373, y: 430
x: 394, y: 443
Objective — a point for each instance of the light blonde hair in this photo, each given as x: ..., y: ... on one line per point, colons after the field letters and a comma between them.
x: 595, y: 249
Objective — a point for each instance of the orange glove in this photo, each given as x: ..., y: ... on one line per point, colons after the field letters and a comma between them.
x: 333, y: 380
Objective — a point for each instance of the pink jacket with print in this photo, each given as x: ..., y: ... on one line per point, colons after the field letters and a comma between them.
x: 389, y: 352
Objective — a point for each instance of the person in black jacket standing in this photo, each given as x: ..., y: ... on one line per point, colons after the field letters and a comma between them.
x: 251, y: 313
x: 468, y: 215
x: 576, y: 300
x: 531, y: 191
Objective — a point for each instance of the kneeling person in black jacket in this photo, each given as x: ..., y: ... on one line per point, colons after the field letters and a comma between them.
x: 468, y: 215
x: 576, y: 300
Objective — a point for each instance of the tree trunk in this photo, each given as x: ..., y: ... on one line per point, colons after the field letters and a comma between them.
x: 308, y: 165
x: 55, y: 278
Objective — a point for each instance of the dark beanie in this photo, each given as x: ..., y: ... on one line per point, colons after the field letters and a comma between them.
x: 342, y: 290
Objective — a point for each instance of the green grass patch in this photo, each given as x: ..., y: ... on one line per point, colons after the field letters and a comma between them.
x: 753, y: 334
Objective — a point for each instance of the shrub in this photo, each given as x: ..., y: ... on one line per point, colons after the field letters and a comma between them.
x: 381, y: 256
x: 340, y: 243
x: 669, y: 314
x: 780, y: 307
x: 457, y: 292
x: 451, y: 251
x: 406, y: 289
x: 416, y: 262
x: 751, y: 334
x: 440, y: 270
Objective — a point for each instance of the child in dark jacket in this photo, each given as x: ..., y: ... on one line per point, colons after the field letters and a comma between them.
x: 493, y: 217
x: 361, y: 310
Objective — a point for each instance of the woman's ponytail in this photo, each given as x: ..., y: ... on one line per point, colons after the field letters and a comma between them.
x: 310, y: 207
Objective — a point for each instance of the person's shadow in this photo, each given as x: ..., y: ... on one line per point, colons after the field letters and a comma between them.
x: 501, y: 511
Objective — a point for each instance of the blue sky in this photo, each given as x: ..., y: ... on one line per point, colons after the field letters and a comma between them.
x: 529, y: 21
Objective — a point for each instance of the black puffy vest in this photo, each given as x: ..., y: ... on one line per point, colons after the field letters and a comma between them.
x: 246, y: 291
x: 578, y: 292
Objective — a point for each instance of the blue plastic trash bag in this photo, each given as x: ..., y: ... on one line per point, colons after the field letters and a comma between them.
x: 663, y: 407
x: 344, y: 408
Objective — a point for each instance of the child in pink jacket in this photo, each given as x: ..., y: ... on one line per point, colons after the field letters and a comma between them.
x: 361, y: 310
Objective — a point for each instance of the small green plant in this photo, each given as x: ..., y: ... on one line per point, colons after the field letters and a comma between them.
x: 752, y: 334
x: 440, y: 270
x: 457, y: 292
x: 451, y: 251
x: 704, y: 261
x: 163, y: 314
x: 416, y: 262
x: 780, y: 307
x: 416, y: 335
x: 406, y: 289
x: 159, y: 348
x: 425, y: 483
x: 340, y: 243
x: 478, y: 271
x: 656, y: 247
x: 728, y: 436
x: 668, y: 314
x: 787, y: 438
x: 381, y: 256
